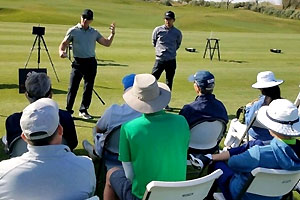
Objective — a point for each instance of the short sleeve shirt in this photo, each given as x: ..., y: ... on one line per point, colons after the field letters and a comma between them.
x: 156, y: 144
x: 84, y: 41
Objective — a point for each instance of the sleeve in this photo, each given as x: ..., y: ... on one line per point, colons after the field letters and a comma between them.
x: 102, y: 123
x: 245, y: 161
x: 69, y: 131
x: 250, y: 110
x: 69, y: 36
x: 178, y: 41
x: 124, y: 147
x: 98, y: 35
x: 13, y: 128
x: 154, y: 37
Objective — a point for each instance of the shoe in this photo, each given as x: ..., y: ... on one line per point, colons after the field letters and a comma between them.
x: 85, y: 115
x: 90, y: 149
x: 199, y: 161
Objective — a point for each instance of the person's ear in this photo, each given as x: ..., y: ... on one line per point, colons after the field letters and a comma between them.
x: 60, y: 130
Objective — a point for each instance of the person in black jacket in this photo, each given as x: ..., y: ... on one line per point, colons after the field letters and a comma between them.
x: 38, y: 85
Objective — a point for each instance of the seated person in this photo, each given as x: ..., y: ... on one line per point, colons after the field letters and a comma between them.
x: 153, y: 146
x: 113, y: 118
x: 38, y: 85
x: 269, y: 87
x: 49, y: 170
x: 282, y: 120
x: 205, y: 107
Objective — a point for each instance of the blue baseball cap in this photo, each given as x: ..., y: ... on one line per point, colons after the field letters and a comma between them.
x: 128, y: 81
x: 204, y: 79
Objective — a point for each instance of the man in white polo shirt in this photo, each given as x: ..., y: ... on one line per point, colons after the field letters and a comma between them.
x: 49, y: 170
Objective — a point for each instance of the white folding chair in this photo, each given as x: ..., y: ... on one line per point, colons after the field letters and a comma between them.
x: 267, y: 182
x: 207, y: 134
x: 196, y: 189
x: 93, y: 198
x: 253, y: 123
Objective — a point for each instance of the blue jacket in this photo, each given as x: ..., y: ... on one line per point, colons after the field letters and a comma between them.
x: 277, y: 155
x: 256, y: 132
x: 205, y: 107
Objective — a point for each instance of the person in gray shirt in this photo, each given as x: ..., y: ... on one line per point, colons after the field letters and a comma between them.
x: 83, y: 38
x: 166, y: 39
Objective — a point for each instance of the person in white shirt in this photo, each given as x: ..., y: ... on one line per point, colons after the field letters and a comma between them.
x: 49, y: 170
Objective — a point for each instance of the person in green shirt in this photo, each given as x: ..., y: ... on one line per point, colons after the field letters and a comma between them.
x: 152, y: 147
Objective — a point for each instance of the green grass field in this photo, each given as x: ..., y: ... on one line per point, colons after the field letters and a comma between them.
x: 245, y: 40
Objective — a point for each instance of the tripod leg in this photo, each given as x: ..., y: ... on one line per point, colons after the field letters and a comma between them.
x: 30, y: 52
x: 49, y: 58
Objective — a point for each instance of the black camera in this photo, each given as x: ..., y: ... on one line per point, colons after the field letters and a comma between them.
x: 38, y: 30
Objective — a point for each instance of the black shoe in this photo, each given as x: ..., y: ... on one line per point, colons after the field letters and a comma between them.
x: 70, y: 111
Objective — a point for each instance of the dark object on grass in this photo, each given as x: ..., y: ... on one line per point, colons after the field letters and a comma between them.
x: 190, y: 49
x: 275, y: 50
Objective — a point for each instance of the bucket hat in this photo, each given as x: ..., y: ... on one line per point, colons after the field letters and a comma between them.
x: 266, y: 79
x: 147, y: 95
x: 280, y: 116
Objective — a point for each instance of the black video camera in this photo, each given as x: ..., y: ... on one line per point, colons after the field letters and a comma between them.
x: 38, y: 30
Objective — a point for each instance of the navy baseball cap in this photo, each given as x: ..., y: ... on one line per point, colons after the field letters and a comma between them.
x: 170, y: 15
x: 204, y: 79
x: 87, y: 14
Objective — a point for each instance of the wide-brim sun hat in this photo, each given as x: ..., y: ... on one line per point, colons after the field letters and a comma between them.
x: 281, y: 116
x: 147, y: 95
x: 266, y: 79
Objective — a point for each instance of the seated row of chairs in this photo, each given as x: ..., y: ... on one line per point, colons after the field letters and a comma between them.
x: 263, y: 181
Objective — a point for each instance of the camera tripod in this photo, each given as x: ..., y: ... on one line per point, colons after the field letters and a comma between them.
x: 39, y: 38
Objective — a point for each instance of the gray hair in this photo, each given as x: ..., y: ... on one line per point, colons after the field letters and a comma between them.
x: 38, y: 85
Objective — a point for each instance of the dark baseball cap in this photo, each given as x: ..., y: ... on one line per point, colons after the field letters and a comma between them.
x: 204, y: 79
x: 87, y: 14
x: 170, y: 15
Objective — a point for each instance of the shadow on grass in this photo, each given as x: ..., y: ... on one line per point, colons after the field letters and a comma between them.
x: 231, y: 117
x: 234, y: 61
x: 111, y: 63
x: 9, y: 86
x: 86, y: 120
x: 57, y: 91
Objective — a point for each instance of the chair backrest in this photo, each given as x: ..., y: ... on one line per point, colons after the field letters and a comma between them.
x: 93, y: 198
x: 17, y: 147
x: 112, y: 140
x: 196, y: 189
x: 206, y: 134
x: 271, y: 182
x: 253, y: 123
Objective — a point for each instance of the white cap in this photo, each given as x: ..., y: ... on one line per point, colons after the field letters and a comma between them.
x: 40, y: 119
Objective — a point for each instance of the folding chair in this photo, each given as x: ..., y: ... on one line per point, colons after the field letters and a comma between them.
x: 196, y: 189
x: 268, y: 183
x: 206, y: 135
x: 253, y: 122
x: 93, y: 198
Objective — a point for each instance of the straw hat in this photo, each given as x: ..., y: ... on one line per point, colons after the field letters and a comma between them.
x: 280, y: 116
x: 266, y: 80
x: 147, y: 95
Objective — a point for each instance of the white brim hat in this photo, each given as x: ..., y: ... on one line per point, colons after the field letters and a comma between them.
x: 266, y: 80
x: 281, y: 116
x: 147, y: 95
